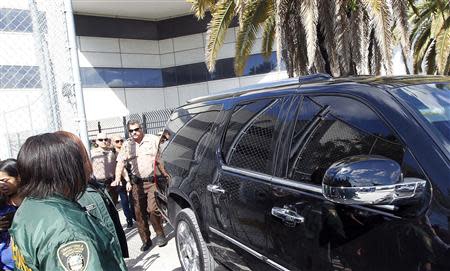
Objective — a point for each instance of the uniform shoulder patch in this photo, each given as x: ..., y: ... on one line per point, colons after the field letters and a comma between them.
x: 74, y: 256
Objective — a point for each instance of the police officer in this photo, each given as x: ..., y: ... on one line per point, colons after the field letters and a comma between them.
x: 104, y: 164
x: 140, y: 151
x: 51, y: 231
x: 125, y: 198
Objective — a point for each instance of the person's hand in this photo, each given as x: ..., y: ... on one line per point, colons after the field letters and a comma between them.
x: 115, y: 183
x: 128, y: 186
x: 6, y: 221
x: 4, y: 189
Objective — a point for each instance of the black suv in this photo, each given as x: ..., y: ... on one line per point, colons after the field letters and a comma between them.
x: 312, y: 174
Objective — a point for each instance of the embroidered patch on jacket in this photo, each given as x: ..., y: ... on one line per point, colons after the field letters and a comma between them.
x: 19, y: 259
x: 74, y: 256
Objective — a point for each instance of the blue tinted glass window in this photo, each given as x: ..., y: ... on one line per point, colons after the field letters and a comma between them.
x: 169, y: 76
x: 142, y: 78
x: 172, y: 76
x: 91, y: 78
x: 257, y: 64
x: 20, y: 77
x: 183, y: 74
x: 199, y: 73
x: 117, y: 77
x: 224, y: 69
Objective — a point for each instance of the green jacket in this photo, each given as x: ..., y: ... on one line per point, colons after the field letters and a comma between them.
x: 98, y: 204
x: 57, y: 234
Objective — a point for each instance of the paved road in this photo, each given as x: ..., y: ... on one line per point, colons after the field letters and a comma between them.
x: 160, y: 259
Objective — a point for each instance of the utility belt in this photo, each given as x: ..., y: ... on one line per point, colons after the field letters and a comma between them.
x: 106, y: 181
x: 138, y: 180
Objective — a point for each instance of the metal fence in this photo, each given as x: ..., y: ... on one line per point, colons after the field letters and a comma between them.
x: 152, y: 123
x: 37, y: 85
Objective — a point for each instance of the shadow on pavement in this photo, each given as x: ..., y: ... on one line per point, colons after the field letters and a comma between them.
x: 145, y: 259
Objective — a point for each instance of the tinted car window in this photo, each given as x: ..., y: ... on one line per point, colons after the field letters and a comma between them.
x: 241, y: 116
x: 187, y: 130
x: 250, y: 136
x: 342, y: 131
x: 432, y: 103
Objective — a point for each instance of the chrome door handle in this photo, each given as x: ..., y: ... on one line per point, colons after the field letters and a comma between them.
x: 214, y: 188
x: 287, y: 215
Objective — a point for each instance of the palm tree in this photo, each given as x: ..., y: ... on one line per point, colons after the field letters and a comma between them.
x: 431, y: 37
x: 341, y: 37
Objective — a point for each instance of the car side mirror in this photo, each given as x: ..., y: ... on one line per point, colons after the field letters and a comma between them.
x: 370, y: 180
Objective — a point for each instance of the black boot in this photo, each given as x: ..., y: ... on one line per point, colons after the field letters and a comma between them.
x: 146, y: 245
x: 129, y: 223
x: 161, y: 240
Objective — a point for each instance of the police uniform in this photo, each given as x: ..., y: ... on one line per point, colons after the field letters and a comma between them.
x: 57, y: 234
x: 141, y: 158
x: 103, y: 167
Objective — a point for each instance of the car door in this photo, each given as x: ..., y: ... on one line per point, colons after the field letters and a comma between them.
x: 238, y: 194
x: 308, y: 232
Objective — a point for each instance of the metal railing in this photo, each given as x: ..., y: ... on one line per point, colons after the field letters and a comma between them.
x: 152, y: 123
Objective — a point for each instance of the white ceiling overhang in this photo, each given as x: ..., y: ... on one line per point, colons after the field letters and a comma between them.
x: 134, y: 9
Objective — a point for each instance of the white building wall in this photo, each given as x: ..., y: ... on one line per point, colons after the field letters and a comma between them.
x: 133, y: 53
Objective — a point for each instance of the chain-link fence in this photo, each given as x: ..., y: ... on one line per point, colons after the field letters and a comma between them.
x: 152, y: 123
x: 37, y: 91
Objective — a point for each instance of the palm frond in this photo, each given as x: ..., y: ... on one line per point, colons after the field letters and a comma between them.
x: 292, y: 33
x: 240, y: 7
x: 319, y: 62
x: 400, y: 9
x: 365, y: 42
x: 429, y: 62
x: 342, y: 36
x: 217, y: 28
x: 255, y: 14
x: 268, y: 36
x: 382, y: 22
x: 326, y: 26
x: 357, y: 31
x: 443, y: 47
x: 309, y: 15
x: 437, y: 22
x: 421, y: 46
x: 199, y: 7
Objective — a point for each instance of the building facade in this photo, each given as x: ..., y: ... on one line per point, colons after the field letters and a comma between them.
x: 136, y: 66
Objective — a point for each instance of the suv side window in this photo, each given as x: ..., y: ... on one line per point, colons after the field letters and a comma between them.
x: 189, y: 131
x: 248, y: 141
x: 330, y: 128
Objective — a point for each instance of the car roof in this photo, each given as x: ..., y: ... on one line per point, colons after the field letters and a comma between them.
x: 382, y: 82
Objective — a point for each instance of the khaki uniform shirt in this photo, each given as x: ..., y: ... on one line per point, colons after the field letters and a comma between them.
x: 103, y: 163
x: 140, y: 156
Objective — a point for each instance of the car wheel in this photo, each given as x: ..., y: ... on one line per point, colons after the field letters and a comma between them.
x: 192, y: 250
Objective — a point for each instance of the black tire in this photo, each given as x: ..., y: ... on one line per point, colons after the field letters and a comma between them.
x: 187, y: 220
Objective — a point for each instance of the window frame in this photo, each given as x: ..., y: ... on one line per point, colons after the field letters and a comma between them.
x: 224, y: 160
x: 297, y: 110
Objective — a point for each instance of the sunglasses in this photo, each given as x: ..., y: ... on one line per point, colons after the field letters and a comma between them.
x: 164, y: 138
x: 102, y: 139
x: 120, y: 140
x: 134, y: 130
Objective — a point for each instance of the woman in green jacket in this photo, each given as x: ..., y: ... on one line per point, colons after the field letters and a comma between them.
x: 50, y: 230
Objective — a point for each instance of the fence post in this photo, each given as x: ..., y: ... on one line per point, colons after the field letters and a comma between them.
x: 99, y: 126
x: 125, y: 128
x: 144, y: 123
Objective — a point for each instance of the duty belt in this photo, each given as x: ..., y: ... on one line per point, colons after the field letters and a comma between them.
x: 106, y: 181
x: 144, y: 180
